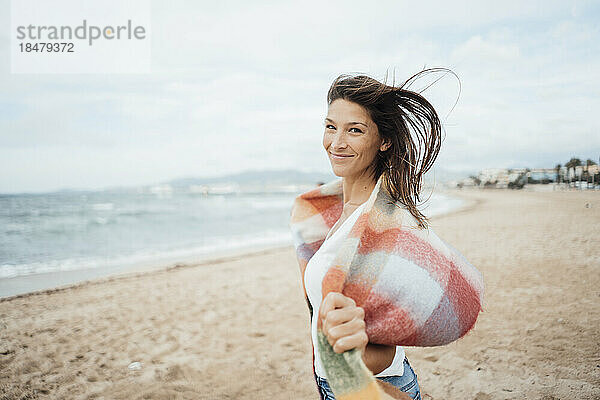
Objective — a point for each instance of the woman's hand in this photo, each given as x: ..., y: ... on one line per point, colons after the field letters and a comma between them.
x: 343, y: 323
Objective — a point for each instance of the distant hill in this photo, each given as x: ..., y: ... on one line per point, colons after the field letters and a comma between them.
x: 255, y: 178
x: 291, y: 176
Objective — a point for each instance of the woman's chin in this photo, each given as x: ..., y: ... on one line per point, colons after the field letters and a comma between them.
x: 341, y: 172
x: 338, y: 171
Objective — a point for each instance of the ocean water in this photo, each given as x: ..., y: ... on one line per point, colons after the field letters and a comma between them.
x: 114, y: 230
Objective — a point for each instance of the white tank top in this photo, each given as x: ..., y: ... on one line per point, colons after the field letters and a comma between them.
x: 313, y: 276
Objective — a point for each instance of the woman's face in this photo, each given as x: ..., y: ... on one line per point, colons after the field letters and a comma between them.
x: 352, y: 136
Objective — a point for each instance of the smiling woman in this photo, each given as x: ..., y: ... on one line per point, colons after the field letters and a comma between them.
x: 385, y: 130
x: 375, y: 276
x: 347, y: 138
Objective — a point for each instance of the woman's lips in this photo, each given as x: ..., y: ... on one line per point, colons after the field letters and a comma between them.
x: 341, y: 156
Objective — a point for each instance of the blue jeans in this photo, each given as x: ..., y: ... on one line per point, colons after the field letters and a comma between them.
x: 406, y: 382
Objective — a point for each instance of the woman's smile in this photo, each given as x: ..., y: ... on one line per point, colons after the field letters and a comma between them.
x: 340, y: 156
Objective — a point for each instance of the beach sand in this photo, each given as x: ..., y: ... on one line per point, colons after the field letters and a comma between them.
x: 238, y: 328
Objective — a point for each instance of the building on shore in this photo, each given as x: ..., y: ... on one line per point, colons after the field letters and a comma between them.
x: 503, y: 178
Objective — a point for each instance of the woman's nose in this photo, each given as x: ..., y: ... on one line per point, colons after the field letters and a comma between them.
x: 339, y: 142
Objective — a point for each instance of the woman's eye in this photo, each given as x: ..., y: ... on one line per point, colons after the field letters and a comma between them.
x: 333, y: 127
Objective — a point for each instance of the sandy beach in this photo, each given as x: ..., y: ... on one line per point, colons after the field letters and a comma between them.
x: 238, y: 327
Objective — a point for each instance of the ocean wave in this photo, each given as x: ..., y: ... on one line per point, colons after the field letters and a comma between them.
x: 218, y: 246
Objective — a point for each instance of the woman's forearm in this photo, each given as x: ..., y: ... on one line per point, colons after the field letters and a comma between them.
x: 378, y: 357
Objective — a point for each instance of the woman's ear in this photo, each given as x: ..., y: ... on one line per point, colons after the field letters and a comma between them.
x: 386, y: 144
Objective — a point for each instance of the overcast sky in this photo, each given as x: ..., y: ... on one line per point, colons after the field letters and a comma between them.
x: 242, y: 85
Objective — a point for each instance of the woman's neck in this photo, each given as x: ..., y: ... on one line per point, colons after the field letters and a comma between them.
x: 357, y: 190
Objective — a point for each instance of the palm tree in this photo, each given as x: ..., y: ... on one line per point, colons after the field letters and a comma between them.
x: 573, y: 162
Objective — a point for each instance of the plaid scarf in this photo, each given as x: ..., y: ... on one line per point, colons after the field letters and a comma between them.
x: 416, y: 289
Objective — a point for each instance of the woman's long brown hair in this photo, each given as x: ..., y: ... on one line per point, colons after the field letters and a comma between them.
x: 408, y: 121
